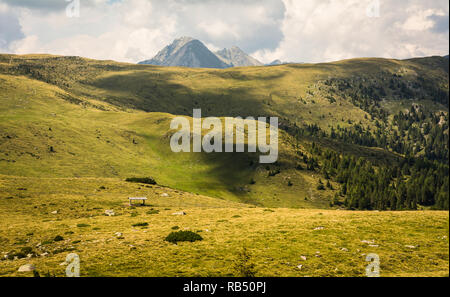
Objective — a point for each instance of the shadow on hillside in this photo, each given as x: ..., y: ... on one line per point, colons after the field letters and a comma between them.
x: 157, y: 92
x: 208, y: 172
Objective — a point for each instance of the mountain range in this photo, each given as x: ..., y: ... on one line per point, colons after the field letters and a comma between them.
x: 190, y: 52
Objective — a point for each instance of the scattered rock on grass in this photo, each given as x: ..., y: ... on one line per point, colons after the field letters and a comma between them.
x: 26, y: 268
x: 368, y: 241
x: 180, y: 213
x: 110, y: 213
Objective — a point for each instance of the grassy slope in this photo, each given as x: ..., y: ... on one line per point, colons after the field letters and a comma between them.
x: 94, y: 126
x: 276, y: 239
x: 92, y: 143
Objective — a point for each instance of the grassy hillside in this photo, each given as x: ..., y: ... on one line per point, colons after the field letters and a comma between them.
x: 42, y: 135
x: 74, y: 117
x: 325, y: 242
x: 96, y: 113
x: 359, y: 134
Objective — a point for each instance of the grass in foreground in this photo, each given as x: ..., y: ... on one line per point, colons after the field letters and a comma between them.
x: 34, y: 212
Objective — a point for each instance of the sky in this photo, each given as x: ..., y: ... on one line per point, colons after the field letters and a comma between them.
x: 288, y: 30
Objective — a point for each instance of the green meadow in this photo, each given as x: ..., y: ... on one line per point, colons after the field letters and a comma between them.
x: 72, y: 130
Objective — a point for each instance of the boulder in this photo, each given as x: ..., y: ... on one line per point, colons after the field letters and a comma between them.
x: 27, y: 268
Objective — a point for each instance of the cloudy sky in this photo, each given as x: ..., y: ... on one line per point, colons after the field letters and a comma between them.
x: 289, y: 30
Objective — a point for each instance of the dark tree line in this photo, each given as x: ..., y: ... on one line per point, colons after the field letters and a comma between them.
x: 403, y: 186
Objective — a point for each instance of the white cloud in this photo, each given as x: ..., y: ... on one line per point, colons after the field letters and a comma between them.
x: 290, y: 30
x: 334, y: 30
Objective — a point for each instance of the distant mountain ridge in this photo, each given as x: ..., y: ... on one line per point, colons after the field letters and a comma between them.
x: 235, y: 57
x: 186, y: 52
x: 190, y: 52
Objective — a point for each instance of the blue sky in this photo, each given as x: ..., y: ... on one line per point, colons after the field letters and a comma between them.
x: 289, y: 30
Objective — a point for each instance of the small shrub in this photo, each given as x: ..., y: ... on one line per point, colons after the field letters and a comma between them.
x: 274, y: 172
x: 140, y: 225
x: 141, y: 180
x: 182, y: 236
x: 290, y: 184
x: 83, y: 225
x: 58, y: 238
x: 252, y: 182
x: 321, y: 187
x: 153, y: 211
x: 243, y: 264
x: 329, y: 185
x: 175, y: 228
x: 26, y: 250
x: 20, y: 255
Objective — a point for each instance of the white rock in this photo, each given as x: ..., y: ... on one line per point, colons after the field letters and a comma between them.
x: 300, y: 267
x: 303, y: 258
x: 181, y: 213
x: 118, y: 234
x: 410, y: 246
x: 164, y: 195
x: 54, y: 212
x: 319, y: 228
x: 110, y: 213
x: 27, y: 268
x: 44, y: 254
x: 368, y: 241
x: 344, y: 249
x: 373, y: 245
